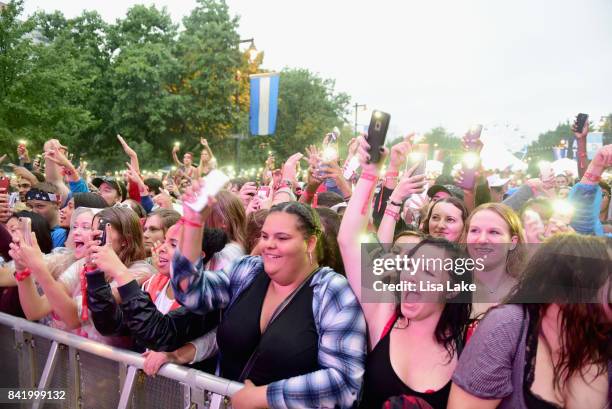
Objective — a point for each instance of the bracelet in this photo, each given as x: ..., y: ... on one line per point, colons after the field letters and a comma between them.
x: 591, y: 177
x: 369, y: 176
x: 23, y: 274
x: 190, y: 223
x: 393, y: 214
x: 394, y: 203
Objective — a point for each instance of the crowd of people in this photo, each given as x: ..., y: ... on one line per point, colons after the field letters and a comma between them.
x: 266, y: 284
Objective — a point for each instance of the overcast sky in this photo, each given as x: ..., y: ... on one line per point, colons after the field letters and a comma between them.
x: 529, y: 64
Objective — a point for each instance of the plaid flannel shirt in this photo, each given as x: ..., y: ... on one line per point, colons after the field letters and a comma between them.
x: 338, y: 317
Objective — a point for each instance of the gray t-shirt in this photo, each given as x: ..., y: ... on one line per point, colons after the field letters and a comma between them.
x: 492, y: 365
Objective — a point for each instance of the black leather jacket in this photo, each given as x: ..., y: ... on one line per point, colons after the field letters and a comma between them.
x: 137, y: 316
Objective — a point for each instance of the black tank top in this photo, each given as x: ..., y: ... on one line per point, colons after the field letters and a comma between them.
x: 288, y: 346
x: 533, y: 401
x: 380, y: 381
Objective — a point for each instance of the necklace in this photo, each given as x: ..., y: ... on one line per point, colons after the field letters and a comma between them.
x: 494, y: 290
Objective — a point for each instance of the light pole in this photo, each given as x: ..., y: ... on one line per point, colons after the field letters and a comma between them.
x: 357, y: 106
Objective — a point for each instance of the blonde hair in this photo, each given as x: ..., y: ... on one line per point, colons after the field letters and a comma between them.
x: 516, y: 257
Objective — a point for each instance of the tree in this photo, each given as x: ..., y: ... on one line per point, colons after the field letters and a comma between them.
x: 143, y: 75
x: 15, y: 63
x: 209, y: 57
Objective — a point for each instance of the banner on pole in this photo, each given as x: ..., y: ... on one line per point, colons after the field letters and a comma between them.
x: 264, y: 103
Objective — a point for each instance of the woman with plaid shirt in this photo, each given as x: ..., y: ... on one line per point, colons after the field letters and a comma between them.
x: 292, y: 331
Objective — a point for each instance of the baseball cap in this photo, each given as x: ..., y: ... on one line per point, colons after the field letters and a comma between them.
x: 116, y: 184
x: 450, y: 189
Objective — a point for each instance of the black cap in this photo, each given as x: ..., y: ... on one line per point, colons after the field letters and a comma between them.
x: 116, y: 184
x: 450, y: 189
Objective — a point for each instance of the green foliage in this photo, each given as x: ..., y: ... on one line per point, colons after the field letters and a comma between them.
x: 86, y: 80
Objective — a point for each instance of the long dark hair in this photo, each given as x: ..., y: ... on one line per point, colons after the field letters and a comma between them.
x: 455, y: 318
x: 330, y: 221
x: 309, y: 224
x: 570, y: 270
x: 40, y: 227
x: 452, y: 200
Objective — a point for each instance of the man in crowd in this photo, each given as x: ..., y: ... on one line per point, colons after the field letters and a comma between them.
x: 113, y: 191
x: 185, y: 168
x: 44, y: 199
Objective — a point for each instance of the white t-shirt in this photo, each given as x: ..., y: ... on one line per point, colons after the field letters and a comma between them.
x: 163, y: 303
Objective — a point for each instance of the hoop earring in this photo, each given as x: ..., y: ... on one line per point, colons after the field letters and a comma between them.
x: 310, y: 257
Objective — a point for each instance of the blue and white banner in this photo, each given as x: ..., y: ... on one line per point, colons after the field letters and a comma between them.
x: 264, y: 103
x: 594, y: 143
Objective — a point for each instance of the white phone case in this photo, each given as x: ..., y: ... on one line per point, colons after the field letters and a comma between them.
x: 213, y: 183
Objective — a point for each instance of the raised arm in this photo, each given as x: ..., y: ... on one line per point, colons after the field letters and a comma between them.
x: 199, y: 290
x: 407, y: 186
x: 175, y: 158
x: 586, y: 195
x: 52, y: 169
x: 131, y: 153
x: 355, y: 220
x: 56, y: 296
x: 354, y: 225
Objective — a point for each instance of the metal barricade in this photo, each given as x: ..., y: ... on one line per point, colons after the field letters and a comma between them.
x: 95, y: 375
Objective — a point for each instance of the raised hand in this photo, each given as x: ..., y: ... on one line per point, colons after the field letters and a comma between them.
x: 408, y: 185
x: 603, y: 157
x: 581, y: 133
x: 314, y: 156
x: 128, y: 151
x: 364, y: 156
x: 27, y: 255
x: 155, y: 253
x: 105, y: 257
x: 53, y: 144
x: 247, y: 193
x: 204, y: 142
x: 253, y: 206
x: 399, y: 153
x: 56, y: 156
x: 290, y: 167
x: 191, y: 194
x: 163, y: 200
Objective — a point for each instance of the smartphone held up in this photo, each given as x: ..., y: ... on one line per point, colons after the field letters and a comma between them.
x: 469, y: 165
x: 581, y: 120
x: 377, y: 133
x: 25, y: 225
x: 213, y: 183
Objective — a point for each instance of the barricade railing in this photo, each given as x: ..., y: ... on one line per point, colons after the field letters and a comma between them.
x: 94, y: 375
